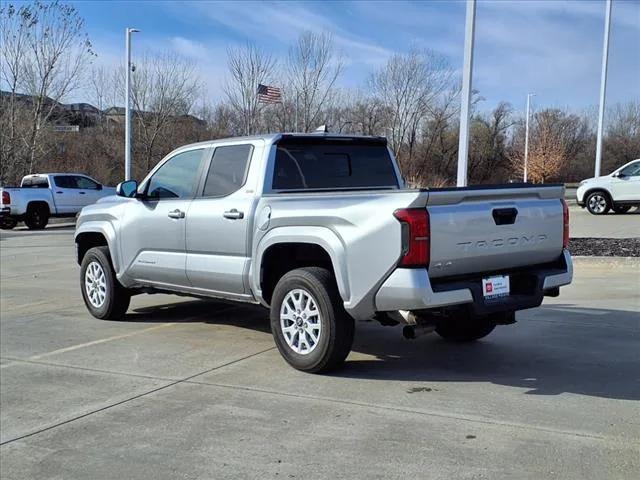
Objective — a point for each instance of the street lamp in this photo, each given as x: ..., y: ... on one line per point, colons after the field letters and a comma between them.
x: 463, y: 143
x: 127, y: 106
x: 526, y: 136
x: 603, y: 85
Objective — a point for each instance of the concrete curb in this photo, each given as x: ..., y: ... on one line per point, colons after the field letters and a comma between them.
x: 612, y: 261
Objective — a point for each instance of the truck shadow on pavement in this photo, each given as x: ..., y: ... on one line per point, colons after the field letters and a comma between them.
x: 556, y: 349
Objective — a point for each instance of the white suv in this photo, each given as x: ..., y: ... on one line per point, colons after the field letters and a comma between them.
x: 619, y: 190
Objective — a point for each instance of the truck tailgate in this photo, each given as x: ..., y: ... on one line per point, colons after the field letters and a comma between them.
x: 490, y: 229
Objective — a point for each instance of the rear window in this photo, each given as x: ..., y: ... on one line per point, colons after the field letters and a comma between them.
x: 332, y: 164
x: 35, y: 182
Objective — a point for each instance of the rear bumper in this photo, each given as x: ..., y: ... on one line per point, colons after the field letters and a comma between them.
x: 5, y: 211
x: 412, y: 289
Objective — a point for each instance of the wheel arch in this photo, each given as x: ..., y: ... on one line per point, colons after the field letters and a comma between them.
x: 598, y: 189
x: 286, y: 248
x: 38, y: 203
x: 88, y: 236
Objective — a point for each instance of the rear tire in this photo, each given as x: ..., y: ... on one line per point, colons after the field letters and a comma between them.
x: 598, y: 203
x: 8, y: 223
x: 621, y: 209
x: 311, y: 329
x: 465, y: 327
x: 37, y: 217
x: 103, y: 294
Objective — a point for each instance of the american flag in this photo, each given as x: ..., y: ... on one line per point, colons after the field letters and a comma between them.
x: 267, y: 94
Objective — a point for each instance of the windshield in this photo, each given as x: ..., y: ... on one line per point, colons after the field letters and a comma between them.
x: 320, y: 164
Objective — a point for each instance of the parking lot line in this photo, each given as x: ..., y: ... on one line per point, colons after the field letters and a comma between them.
x: 135, y: 397
x: 97, y: 342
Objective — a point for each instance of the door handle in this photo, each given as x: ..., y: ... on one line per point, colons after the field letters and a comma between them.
x: 504, y: 216
x: 176, y: 214
x: 233, y: 214
x: 82, y: 193
x: 59, y: 192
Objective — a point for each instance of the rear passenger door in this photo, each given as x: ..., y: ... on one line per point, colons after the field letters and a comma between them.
x: 65, y: 194
x: 218, y: 221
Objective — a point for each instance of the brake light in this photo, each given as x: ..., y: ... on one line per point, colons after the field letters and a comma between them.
x: 565, y: 226
x: 6, y: 198
x: 416, y: 241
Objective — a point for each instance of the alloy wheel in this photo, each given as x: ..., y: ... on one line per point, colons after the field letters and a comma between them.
x: 597, y: 203
x: 95, y: 284
x: 300, y: 321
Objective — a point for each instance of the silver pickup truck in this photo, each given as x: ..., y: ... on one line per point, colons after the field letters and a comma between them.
x: 320, y: 229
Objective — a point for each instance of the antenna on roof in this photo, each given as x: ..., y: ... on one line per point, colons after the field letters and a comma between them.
x: 321, y: 129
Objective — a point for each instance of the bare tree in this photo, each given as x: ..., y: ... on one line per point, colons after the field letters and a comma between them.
x: 45, y: 51
x: 313, y: 68
x: 622, y: 143
x: 104, y: 88
x: 488, y: 160
x: 408, y: 85
x: 164, y: 89
x: 249, y: 66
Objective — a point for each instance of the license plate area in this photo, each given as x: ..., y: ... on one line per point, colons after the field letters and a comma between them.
x: 496, y: 287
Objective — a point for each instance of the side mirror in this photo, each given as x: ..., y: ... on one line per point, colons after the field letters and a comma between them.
x: 99, y: 187
x: 127, y: 189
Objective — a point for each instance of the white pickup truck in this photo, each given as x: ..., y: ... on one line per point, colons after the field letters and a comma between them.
x: 321, y: 229
x: 45, y: 195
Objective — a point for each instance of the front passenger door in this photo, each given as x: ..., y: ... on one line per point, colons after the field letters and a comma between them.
x: 152, y: 238
x: 626, y: 187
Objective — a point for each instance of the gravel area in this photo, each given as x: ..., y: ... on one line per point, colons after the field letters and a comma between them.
x: 605, y: 247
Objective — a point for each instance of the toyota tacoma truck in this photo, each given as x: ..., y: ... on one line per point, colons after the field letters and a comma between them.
x: 321, y: 230
x: 45, y: 195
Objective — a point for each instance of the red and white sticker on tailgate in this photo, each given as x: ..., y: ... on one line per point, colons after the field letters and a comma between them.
x: 495, y: 287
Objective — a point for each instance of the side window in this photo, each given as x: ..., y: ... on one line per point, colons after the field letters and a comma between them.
x: 85, y: 183
x: 65, y: 181
x: 177, y: 177
x: 228, y: 170
x: 35, y: 182
x: 632, y: 170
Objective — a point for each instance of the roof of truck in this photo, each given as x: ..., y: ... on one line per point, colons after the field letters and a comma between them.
x: 272, y: 137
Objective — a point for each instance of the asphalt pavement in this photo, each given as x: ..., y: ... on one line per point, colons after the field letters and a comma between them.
x: 196, y: 389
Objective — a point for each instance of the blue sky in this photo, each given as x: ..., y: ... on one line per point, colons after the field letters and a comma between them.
x: 551, y: 47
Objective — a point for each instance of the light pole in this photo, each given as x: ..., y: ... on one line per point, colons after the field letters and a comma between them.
x: 463, y: 144
x: 127, y: 107
x: 603, y: 85
x: 526, y: 136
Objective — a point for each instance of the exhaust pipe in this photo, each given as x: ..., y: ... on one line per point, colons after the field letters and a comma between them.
x: 411, y: 332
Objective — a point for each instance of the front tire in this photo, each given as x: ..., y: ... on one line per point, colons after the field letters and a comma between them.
x: 598, y: 203
x: 37, y: 217
x: 465, y: 327
x: 311, y: 329
x: 103, y: 294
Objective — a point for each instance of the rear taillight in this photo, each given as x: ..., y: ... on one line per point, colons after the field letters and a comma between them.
x: 565, y: 224
x: 6, y: 198
x: 416, y: 242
